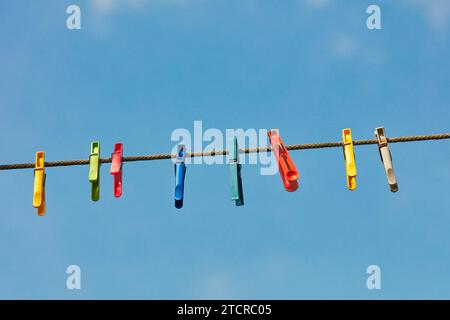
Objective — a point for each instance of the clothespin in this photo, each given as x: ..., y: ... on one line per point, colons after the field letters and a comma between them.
x: 39, y: 184
x: 94, y: 170
x: 180, y: 173
x: 349, y: 157
x: 116, y: 168
x: 237, y: 193
x: 386, y: 158
x: 288, y: 172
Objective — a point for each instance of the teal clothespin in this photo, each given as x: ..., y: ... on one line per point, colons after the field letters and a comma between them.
x: 237, y: 193
x: 94, y: 170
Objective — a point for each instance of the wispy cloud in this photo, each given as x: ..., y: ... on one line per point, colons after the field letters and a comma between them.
x: 344, y: 46
x: 217, y: 286
x: 437, y: 12
x: 107, y: 7
x: 347, y: 46
x: 318, y: 4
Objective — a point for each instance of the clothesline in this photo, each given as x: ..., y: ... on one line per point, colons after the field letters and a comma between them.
x: 63, y: 163
x: 286, y: 167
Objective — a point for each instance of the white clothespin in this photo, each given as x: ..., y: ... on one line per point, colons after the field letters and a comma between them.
x: 386, y: 158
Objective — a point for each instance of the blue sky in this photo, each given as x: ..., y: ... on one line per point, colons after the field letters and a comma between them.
x: 137, y: 70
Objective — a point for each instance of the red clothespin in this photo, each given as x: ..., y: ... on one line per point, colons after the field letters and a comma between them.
x: 116, y: 169
x: 288, y: 172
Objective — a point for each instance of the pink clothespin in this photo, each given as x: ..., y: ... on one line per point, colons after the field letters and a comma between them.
x: 116, y: 169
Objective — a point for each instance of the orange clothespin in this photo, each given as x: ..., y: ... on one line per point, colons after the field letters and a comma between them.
x: 288, y: 172
x: 349, y: 157
x: 116, y: 169
x: 39, y: 184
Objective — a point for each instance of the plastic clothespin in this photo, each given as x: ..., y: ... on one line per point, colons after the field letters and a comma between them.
x: 349, y: 157
x: 386, y: 158
x: 288, y: 172
x: 236, y: 191
x: 94, y: 170
x: 116, y: 168
x: 39, y: 183
x: 180, y: 173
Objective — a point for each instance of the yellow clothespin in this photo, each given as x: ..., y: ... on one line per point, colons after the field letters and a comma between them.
x: 39, y: 184
x: 386, y: 158
x: 349, y: 156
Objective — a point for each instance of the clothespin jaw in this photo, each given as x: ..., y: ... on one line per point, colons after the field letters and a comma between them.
x: 288, y: 172
x: 180, y: 173
x: 386, y: 158
x: 39, y: 184
x: 94, y: 170
x: 236, y: 190
x: 116, y: 168
x: 349, y: 157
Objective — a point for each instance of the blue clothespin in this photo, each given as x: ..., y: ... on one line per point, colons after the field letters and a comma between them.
x: 180, y: 173
x: 237, y: 193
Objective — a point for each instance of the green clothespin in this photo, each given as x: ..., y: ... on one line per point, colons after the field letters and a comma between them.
x: 237, y: 193
x: 94, y: 170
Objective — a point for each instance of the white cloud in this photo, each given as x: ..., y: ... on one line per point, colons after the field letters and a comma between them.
x: 318, y: 4
x: 107, y: 7
x: 344, y: 46
x: 217, y: 286
x: 437, y: 12
x: 347, y: 46
x: 102, y: 7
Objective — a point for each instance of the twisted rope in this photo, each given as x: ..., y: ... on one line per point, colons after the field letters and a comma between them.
x: 152, y: 157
